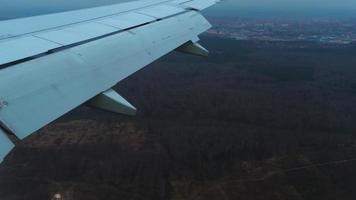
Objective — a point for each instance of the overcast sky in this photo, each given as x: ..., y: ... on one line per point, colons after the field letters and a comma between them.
x: 293, y: 4
x: 286, y: 8
x: 15, y: 8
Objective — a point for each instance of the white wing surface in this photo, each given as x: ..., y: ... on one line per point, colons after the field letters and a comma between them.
x: 51, y: 64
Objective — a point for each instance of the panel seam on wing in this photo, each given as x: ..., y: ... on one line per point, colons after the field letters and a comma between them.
x: 63, y: 47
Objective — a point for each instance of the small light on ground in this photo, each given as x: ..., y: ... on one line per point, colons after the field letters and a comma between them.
x: 57, y: 196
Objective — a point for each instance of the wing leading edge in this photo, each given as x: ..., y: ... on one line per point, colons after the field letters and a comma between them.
x: 53, y: 69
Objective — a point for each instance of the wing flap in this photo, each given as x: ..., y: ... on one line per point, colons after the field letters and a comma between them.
x: 128, y: 20
x: 17, y: 27
x: 199, y: 4
x: 13, y: 50
x: 43, y: 39
x: 76, y: 33
x: 161, y: 11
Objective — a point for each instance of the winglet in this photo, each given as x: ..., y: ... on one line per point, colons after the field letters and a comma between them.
x: 193, y: 48
x: 5, y: 145
x: 113, y: 102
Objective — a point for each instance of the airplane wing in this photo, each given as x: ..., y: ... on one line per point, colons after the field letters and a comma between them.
x: 51, y: 64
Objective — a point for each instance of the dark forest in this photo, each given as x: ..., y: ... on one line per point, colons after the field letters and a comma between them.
x: 253, y: 121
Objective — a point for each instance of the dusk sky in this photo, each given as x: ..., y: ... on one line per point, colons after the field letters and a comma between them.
x: 17, y: 8
x: 293, y: 4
